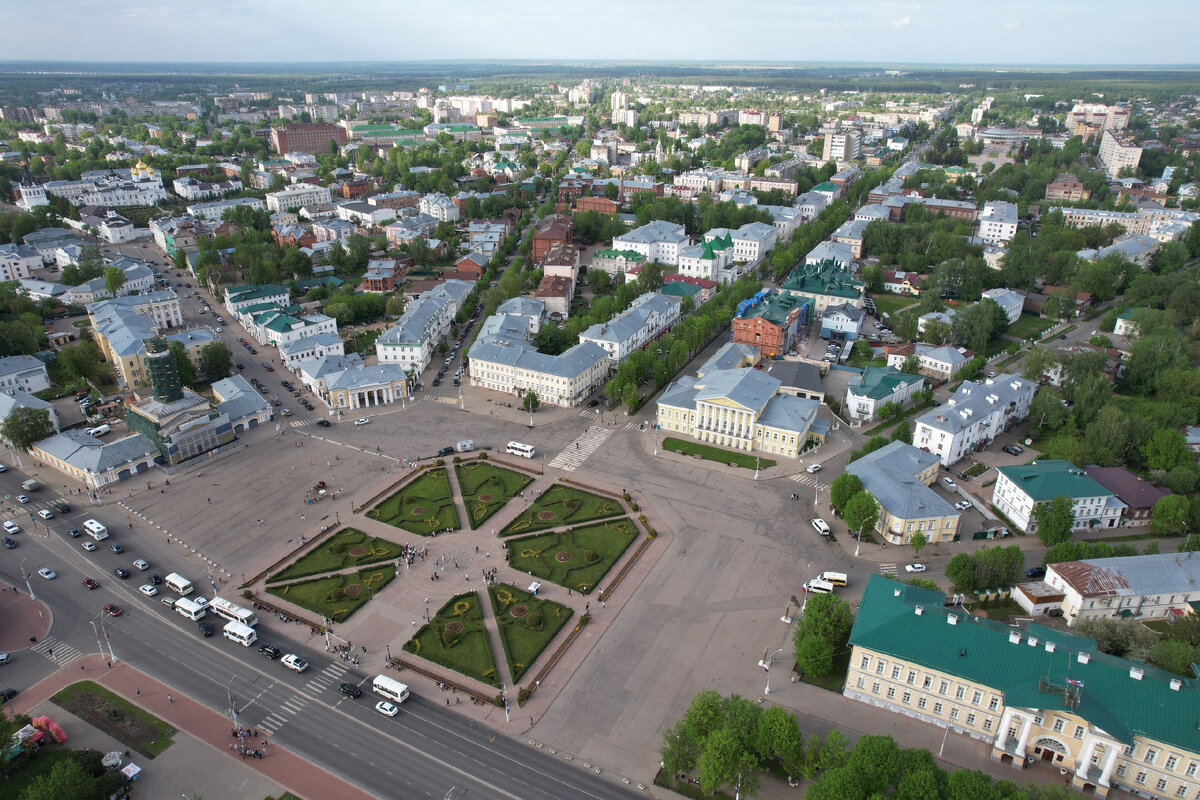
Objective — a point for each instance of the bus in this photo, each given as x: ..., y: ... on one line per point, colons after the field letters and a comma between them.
x: 233, y: 612
x: 242, y: 634
x: 179, y: 584
x: 836, y: 578
x: 95, y: 530
x: 518, y: 449
x: 390, y: 688
x: 190, y: 609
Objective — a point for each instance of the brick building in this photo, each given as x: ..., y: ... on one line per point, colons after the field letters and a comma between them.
x: 307, y: 137
x: 601, y: 204
x: 555, y: 228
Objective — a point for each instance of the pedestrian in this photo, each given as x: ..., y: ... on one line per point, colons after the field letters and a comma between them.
x: 210, y: 499
x: 170, y: 699
x: 531, y: 720
x: 139, y: 692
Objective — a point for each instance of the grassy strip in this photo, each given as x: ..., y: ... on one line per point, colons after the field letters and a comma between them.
x: 1030, y: 327
x: 562, y: 505
x: 423, y: 506
x: 457, y: 639
x: 340, y: 551
x: 578, y: 558
x: 129, y: 724
x: 709, y: 453
x: 890, y: 304
x: 836, y: 678
x: 527, y: 625
x: 908, y: 412
x: 480, y: 479
x: 336, y: 596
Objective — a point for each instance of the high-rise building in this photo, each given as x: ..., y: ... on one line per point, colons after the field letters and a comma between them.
x: 1117, y: 153
x: 841, y: 146
x: 311, y: 137
x: 620, y: 100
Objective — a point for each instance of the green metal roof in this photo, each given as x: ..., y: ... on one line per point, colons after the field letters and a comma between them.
x: 775, y: 308
x: 826, y: 278
x: 1026, y: 672
x: 629, y: 255
x: 542, y: 119
x: 1046, y: 480
x: 825, y: 186
x: 680, y: 289
x: 880, y: 382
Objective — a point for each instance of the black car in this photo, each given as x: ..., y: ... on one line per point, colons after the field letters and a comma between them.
x: 60, y: 506
x: 121, y: 573
x: 73, y: 533
x: 1013, y: 449
x: 116, y: 548
x: 445, y: 451
x: 270, y: 651
x: 593, y: 403
x: 240, y: 366
x: 1035, y: 572
x: 350, y: 690
x: 9, y: 543
x: 206, y: 629
x: 437, y: 381
x: 7, y: 694
x: 155, y: 580
x: 324, y: 423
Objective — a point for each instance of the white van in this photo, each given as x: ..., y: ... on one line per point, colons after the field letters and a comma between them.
x: 818, y: 586
x: 242, y: 634
x: 99, y: 430
x: 821, y: 526
x: 390, y: 688
x: 836, y: 578
x: 95, y: 530
x: 179, y: 584
x: 192, y: 610
x: 518, y: 449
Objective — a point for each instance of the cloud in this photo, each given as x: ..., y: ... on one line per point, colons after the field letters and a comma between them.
x: 903, y: 22
x: 1016, y: 23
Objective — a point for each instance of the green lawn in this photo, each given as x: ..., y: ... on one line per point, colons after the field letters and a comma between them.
x: 527, y: 625
x: 837, y: 676
x: 347, y: 548
x: 423, y: 506
x: 741, y: 459
x: 578, y: 558
x: 130, y: 725
x: 28, y: 768
x: 891, y: 303
x: 486, y: 488
x: 562, y: 505
x: 457, y: 638
x: 1030, y: 327
x: 336, y: 596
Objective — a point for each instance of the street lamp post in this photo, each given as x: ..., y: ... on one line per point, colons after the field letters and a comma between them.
x: 28, y: 586
x: 756, y: 460
x: 766, y: 665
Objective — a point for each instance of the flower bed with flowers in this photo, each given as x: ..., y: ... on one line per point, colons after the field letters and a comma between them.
x: 457, y: 639
x: 346, y: 548
x: 527, y: 625
x: 577, y: 558
x: 487, y: 488
x: 336, y: 596
x: 421, y: 507
x: 562, y: 505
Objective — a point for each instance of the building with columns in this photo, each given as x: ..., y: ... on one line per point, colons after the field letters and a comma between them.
x: 731, y: 404
x: 363, y: 386
x: 1034, y: 694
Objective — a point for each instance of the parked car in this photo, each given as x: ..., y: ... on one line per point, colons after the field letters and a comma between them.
x: 1013, y: 449
x: 1035, y: 572
x: 963, y: 505
x: 949, y: 482
x: 914, y: 568
x: 445, y: 451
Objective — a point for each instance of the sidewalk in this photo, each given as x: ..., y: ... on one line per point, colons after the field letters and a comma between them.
x: 283, y: 767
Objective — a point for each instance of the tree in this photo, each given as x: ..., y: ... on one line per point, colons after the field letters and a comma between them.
x: 395, y: 304
x: 829, y: 617
x: 960, y: 571
x: 1037, y: 362
x: 215, y: 360
x: 917, y: 542
x: 814, y: 655
x: 1047, y: 412
x: 1055, y: 519
x: 1166, y: 450
x: 778, y: 738
x: 911, y: 365
x: 25, y: 426
x: 611, y: 191
x: 1176, y: 657
x: 80, y: 360
x: 877, y: 760
x: 844, y: 487
x: 726, y: 762
x: 862, y: 512
x: 183, y: 364
x: 872, y: 276
x: 114, y: 279
x: 1170, y: 516
x: 530, y: 401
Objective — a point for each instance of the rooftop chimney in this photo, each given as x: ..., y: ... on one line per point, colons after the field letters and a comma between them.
x: 1136, y: 673
x: 1083, y: 658
x: 1014, y: 637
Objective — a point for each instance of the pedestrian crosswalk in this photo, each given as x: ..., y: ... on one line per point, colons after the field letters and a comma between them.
x: 804, y: 479
x: 887, y: 569
x: 300, y: 423
x: 450, y: 401
x: 633, y: 426
x: 57, y: 650
x: 324, y: 679
x: 271, y: 723
x: 578, y: 451
x: 589, y: 413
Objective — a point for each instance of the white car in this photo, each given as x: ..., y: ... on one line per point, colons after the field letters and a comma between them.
x: 963, y: 505
x: 293, y: 661
x: 47, y: 573
x: 914, y: 568
x: 386, y: 708
x: 45, y: 513
x: 11, y: 527
x: 142, y: 564
x: 950, y: 482
x: 148, y: 590
x: 89, y: 546
x: 3, y: 468
x: 22, y: 498
x: 813, y: 468
x: 362, y: 421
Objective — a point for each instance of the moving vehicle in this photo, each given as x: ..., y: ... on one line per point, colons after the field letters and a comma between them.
x: 9, y: 544
x: 324, y: 423
x: 142, y: 564
x: 206, y: 629
x: 148, y: 590
x: 121, y: 573
x: 95, y: 530
x: 445, y: 451
x: 293, y: 661
x: 362, y: 421
x: 386, y: 708
x: 820, y: 526
x: 270, y: 651
x: 22, y: 499
x: 813, y: 468
x: 116, y: 548
x: 818, y: 586
x: 179, y: 584
x: 914, y: 568
x: 962, y: 505
x: 47, y: 573
x: 233, y: 612
x: 242, y: 634
x: 89, y: 546
x: 465, y: 446
x: 390, y: 688
x: 30, y: 485
x: 191, y: 609
x: 350, y: 690
x: 90, y: 583
x: 113, y: 610
x: 99, y: 430
x: 519, y: 449
x: 45, y: 513
x: 836, y: 578
x: 11, y: 527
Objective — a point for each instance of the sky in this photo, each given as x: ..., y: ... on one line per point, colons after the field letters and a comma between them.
x: 1116, y: 32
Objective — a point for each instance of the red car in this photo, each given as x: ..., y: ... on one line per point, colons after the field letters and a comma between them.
x: 113, y: 611
x: 90, y: 583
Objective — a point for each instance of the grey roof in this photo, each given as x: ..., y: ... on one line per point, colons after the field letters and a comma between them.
x: 972, y: 401
x: 305, y: 342
x: 47, y: 288
x: 1006, y: 298
x: 13, y: 364
x: 747, y: 387
x: 680, y: 393
x: 830, y: 251
x: 846, y: 310
x: 633, y: 319
x: 522, y: 306
x: 326, y: 365
x: 1000, y: 211
x: 1159, y: 573
x: 417, y: 322
x: 457, y: 290
x: 503, y: 347
x: 660, y: 230
x: 19, y: 399
x: 798, y: 374
x: 759, y: 231
x: 93, y: 456
x: 852, y: 229
x: 238, y: 400
x: 730, y: 356
x: 364, y: 376
x: 197, y: 336
x: 790, y: 413
x: 1130, y: 247
x: 123, y: 328
x: 889, y: 474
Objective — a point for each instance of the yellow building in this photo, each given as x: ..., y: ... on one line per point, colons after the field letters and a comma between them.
x: 1037, y: 696
x: 898, y: 476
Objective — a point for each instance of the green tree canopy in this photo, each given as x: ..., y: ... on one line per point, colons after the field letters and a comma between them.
x: 81, y: 360
x: 25, y: 426
x: 1055, y: 519
x: 215, y: 360
x: 844, y: 487
x: 862, y: 512
x: 183, y: 364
